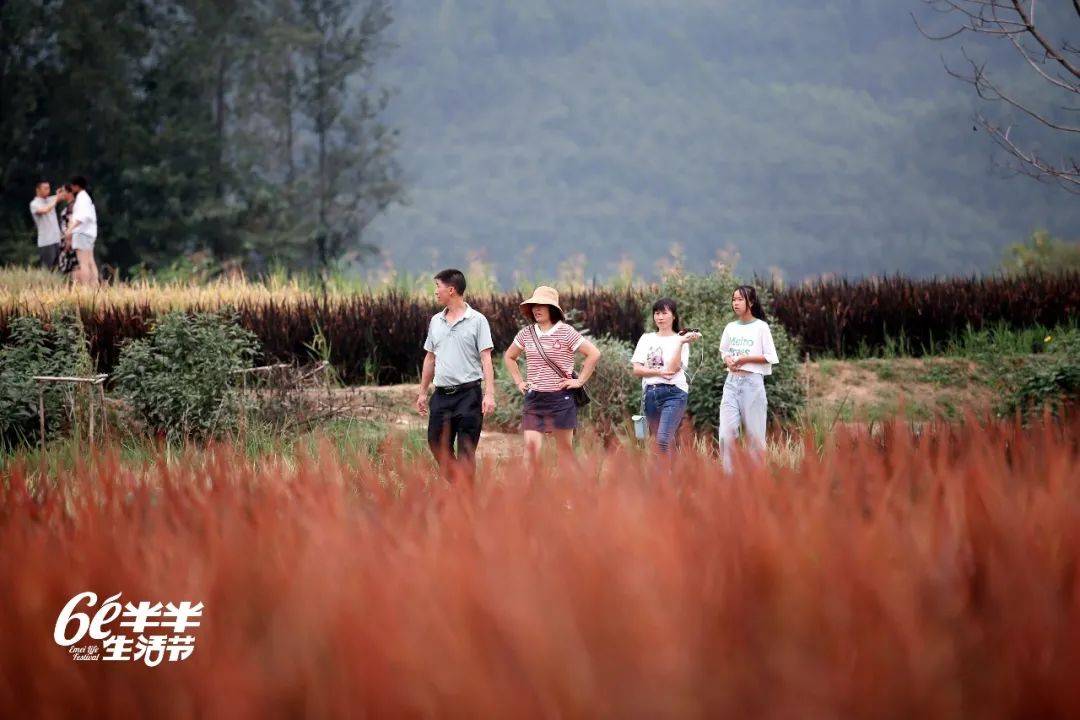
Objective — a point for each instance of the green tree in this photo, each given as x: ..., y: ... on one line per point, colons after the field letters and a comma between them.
x: 110, y: 90
x: 202, y: 125
x: 1042, y: 253
x: 350, y: 172
x: 26, y: 62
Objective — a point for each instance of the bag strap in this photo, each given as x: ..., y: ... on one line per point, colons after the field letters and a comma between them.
x: 553, y: 366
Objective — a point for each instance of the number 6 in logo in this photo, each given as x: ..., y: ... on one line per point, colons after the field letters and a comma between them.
x: 109, y: 611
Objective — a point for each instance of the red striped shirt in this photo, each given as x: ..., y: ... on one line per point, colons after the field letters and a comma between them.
x: 559, y: 343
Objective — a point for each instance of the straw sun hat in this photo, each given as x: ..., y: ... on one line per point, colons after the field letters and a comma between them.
x: 543, y: 295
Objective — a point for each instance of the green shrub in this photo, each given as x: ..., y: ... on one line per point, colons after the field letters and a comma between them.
x: 992, y: 343
x: 705, y: 303
x: 508, y: 399
x: 1049, y: 381
x: 178, y: 377
x: 616, y: 393
x: 34, y: 347
x: 1063, y: 341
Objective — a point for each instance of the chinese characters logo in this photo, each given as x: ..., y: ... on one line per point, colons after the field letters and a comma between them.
x: 149, y: 632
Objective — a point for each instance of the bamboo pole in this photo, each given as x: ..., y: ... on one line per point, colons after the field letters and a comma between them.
x: 93, y: 380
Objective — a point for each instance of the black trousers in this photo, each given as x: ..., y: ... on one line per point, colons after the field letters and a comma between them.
x: 454, y: 423
x: 48, y: 255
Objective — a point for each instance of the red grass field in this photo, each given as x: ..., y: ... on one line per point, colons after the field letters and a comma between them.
x: 890, y: 578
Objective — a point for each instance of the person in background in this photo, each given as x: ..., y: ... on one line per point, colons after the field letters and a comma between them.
x: 458, y: 357
x: 68, y: 260
x: 547, y: 341
x: 660, y: 360
x: 82, y: 232
x: 43, y: 210
x: 748, y: 351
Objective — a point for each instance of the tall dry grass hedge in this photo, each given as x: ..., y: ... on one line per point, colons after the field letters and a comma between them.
x: 372, y: 338
x: 874, y: 316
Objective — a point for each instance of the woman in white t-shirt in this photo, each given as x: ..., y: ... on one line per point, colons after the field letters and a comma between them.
x: 748, y: 351
x: 660, y: 360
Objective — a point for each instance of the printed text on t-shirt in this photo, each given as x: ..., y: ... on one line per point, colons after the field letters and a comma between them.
x: 740, y: 346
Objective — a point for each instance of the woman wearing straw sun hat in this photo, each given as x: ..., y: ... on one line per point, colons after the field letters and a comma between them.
x: 549, y: 345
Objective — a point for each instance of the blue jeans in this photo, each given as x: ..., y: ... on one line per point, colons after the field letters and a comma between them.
x: 664, y: 408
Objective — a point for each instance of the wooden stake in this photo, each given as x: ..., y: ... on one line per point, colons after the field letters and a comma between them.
x: 104, y: 413
x: 41, y: 415
x: 90, y: 409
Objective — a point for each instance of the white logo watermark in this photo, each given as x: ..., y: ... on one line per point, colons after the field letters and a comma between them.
x: 152, y: 632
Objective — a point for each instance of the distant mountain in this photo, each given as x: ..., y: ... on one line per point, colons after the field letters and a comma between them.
x: 807, y: 138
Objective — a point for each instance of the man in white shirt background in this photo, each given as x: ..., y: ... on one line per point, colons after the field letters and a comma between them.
x: 43, y: 210
x: 82, y: 232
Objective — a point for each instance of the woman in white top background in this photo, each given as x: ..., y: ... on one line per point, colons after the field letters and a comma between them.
x: 82, y: 232
x: 660, y: 360
x: 748, y: 351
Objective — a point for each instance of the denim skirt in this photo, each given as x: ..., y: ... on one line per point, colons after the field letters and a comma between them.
x: 547, y: 411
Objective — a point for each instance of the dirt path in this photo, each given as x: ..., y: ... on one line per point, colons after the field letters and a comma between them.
x: 839, y: 391
x: 394, y: 404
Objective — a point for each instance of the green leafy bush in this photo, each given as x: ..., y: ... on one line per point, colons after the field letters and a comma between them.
x: 34, y: 347
x: 1063, y: 341
x: 705, y: 303
x: 1049, y: 381
x: 178, y: 377
x: 616, y: 393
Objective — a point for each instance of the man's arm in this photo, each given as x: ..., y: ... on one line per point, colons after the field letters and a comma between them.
x: 426, y: 376
x: 49, y: 207
x: 489, y: 381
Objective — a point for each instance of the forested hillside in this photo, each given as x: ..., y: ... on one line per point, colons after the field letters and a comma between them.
x: 815, y: 138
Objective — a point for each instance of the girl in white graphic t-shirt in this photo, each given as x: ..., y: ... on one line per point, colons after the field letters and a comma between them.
x: 748, y: 351
x: 660, y: 360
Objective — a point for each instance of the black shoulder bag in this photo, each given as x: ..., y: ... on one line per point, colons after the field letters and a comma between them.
x: 580, y: 395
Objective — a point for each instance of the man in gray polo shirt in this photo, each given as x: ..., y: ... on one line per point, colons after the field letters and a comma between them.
x: 43, y: 210
x: 458, y: 356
